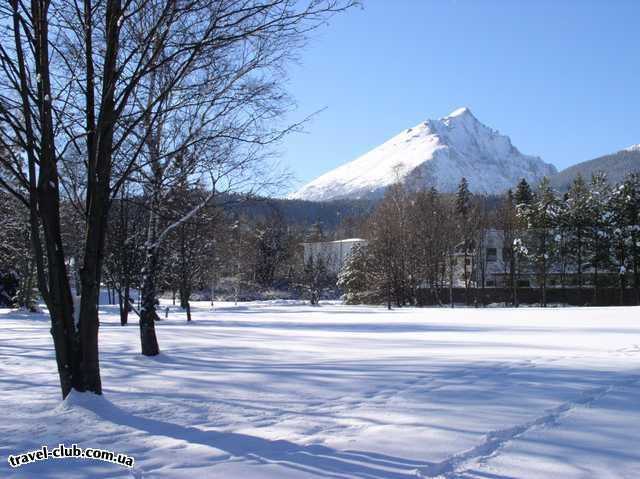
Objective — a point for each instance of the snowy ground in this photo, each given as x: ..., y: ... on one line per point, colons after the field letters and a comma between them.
x: 281, y: 390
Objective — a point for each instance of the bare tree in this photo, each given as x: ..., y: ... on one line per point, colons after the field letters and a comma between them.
x: 123, y: 254
x: 388, y: 230
x: 83, y: 94
x: 219, y: 117
x: 191, y: 245
x: 508, y: 223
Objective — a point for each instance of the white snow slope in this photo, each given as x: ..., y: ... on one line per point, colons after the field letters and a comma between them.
x: 434, y: 153
x: 284, y: 390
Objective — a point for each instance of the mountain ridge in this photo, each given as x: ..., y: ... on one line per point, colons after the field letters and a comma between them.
x: 433, y: 153
x: 614, y: 165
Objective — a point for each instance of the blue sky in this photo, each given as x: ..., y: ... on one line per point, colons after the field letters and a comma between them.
x: 560, y: 77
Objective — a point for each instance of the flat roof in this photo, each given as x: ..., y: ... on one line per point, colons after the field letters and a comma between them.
x: 349, y: 240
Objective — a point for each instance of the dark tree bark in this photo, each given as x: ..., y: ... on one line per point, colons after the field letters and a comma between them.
x: 98, y: 95
x: 148, y: 315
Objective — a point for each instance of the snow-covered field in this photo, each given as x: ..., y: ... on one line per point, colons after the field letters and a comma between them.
x: 284, y: 390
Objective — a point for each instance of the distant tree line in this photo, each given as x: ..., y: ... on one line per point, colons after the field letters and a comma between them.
x: 430, y: 243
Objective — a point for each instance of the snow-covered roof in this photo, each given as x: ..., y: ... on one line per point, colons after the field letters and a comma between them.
x: 348, y: 240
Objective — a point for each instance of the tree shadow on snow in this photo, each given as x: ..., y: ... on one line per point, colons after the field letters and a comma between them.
x: 312, y: 459
x: 471, y: 390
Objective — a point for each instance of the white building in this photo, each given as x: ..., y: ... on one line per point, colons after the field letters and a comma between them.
x: 485, y: 261
x: 489, y: 265
x: 333, y: 254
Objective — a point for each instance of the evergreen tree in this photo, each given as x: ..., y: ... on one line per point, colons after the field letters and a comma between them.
x: 17, y: 268
x: 524, y: 195
x: 625, y: 204
x: 507, y: 222
x: 542, y: 217
x: 577, y: 219
x: 463, y: 198
x: 465, y: 217
x: 599, y: 233
x: 356, y: 277
x: 271, y: 248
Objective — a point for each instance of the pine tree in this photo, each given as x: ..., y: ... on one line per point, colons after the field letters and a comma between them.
x: 625, y: 204
x: 355, y: 278
x: 270, y: 248
x: 507, y: 221
x: 463, y: 198
x: 599, y: 233
x: 542, y: 216
x: 576, y: 219
x: 17, y: 268
x: 523, y: 195
x: 463, y: 211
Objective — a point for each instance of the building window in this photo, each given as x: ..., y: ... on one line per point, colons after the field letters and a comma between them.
x: 492, y: 254
x: 523, y: 283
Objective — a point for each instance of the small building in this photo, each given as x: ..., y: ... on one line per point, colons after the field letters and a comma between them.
x: 333, y: 254
x: 489, y: 265
x: 483, y: 260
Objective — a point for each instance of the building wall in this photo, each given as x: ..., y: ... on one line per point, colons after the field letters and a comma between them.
x: 571, y: 296
x: 497, y: 269
x: 332, y: 253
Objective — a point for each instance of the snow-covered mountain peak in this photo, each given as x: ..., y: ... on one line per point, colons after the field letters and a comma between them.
x: 460, y: 112
x: 434, y: 153
x: 462, y: 117
x: 633, y: 148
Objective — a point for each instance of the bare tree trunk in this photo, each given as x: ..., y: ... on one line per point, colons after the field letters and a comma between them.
x: 543, y: 283
x: 595, y: 284
x: 580, y: 272
x: 121, y: 307
x: 148, y: 339
x: 514, y: 279
x: 451, y: 264
x: 100, y: 142
x: 636, y: 280
x: 543, y: 286
x: 74, y: 353
x: 124, y: 302
x: 466, y: 277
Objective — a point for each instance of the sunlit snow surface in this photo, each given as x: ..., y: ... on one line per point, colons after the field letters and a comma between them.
x: 434, y: 153
x: 285, y: 390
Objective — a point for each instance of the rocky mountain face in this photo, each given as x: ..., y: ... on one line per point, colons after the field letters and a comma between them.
x: 434, y: 153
